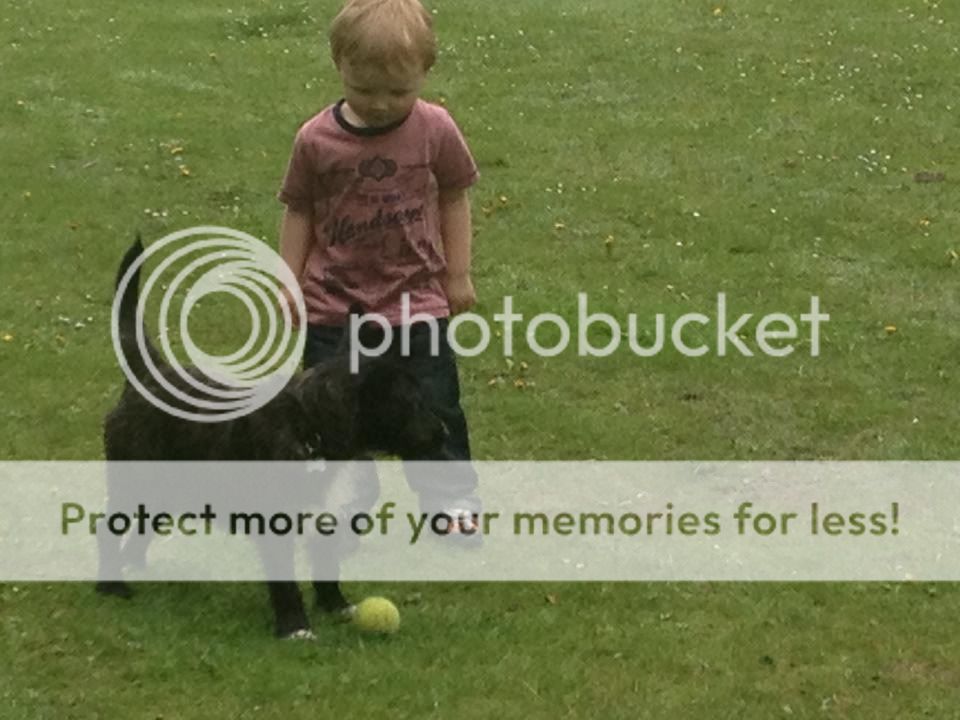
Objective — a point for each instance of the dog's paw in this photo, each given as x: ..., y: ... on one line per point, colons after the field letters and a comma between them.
x: 301, y: 634
x: 117, y: 588
x: 345, y: 614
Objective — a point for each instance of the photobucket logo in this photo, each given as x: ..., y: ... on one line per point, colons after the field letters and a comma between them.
x: 207, y: 261
x: 773, y: 333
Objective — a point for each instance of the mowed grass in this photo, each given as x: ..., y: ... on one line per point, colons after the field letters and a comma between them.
x: 648, y: 156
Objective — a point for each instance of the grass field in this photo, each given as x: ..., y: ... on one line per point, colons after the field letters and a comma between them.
x: 651, y: 155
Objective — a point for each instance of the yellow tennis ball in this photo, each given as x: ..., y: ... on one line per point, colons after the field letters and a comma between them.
x: 377, y: 615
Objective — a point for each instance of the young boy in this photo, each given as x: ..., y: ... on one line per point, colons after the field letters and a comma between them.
x: 377, y: 210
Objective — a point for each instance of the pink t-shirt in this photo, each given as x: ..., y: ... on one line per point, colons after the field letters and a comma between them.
x: 373, y: 195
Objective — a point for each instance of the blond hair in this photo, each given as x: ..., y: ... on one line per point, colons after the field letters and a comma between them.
x: 383, y: 32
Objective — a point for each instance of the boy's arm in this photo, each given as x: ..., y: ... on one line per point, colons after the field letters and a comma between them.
x: 296, y: 239
x: 456, y: 232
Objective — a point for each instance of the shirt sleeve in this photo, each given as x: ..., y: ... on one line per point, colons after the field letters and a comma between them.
x: 296, y: 191
x: 453, y: 165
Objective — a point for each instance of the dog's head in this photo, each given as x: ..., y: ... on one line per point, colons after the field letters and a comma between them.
x: 379, y: 406
x: 395, y: 415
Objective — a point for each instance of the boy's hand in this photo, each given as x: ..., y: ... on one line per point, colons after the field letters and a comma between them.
x: 460, y: 293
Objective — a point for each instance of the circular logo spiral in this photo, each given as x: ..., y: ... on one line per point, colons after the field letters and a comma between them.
x: 216, y: 260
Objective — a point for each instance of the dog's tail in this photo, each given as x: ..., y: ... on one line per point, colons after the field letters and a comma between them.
x: 127, y: 315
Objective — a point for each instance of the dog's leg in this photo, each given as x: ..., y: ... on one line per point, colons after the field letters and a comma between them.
x: 325, y: 568
x: 110, y: 565
x: 327, y: 593
x: 289, y: 614
x: 109, y: 571
x: 327, y: 553
x: 290, y: 617
x: 330, y: 599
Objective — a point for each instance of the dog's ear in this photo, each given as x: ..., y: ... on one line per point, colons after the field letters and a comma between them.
x: 356, y: 309
x: 369, y: 334
x: 354, y: 314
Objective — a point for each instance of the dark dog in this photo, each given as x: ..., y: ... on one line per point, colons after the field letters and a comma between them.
x: 327, y: 412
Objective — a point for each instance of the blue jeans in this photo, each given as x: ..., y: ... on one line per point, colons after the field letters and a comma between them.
x: 438, y: 488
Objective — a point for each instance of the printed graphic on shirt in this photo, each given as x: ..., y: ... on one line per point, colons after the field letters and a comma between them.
x: 375, y: 223
x: 377, y: 168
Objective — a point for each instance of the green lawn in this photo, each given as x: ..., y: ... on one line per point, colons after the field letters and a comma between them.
x: 651, y: 155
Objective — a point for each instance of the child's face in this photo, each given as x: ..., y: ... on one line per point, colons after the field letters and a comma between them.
x: 378, y: 96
